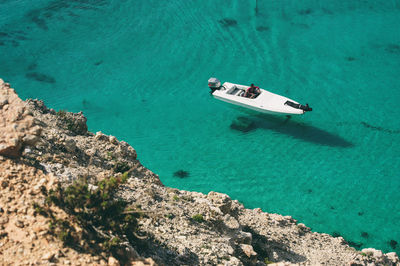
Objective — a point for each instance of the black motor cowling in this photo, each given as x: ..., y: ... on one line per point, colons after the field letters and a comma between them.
x: 214, y: 84
x: 305, y: 108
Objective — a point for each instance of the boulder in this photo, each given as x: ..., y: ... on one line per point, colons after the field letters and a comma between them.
x: 222, y: 201
x: 18, y: 128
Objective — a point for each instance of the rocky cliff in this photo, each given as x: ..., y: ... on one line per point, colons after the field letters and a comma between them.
x: 44, y: 154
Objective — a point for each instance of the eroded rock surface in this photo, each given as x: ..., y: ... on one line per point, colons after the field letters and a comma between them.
x: 18, y: 127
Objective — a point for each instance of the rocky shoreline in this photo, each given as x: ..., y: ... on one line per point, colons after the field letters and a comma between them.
x: 40, y: 147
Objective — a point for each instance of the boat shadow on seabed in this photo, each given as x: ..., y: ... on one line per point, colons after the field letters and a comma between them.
x: 288, y: 126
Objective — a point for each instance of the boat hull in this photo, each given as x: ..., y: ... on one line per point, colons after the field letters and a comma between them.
x: 257, y: 109
x: 266, y: 102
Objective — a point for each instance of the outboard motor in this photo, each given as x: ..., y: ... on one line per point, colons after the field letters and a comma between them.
x: 305, y: 108
x: 214, y: 84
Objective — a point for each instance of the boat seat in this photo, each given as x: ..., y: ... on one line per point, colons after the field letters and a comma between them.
x: 234, y: 91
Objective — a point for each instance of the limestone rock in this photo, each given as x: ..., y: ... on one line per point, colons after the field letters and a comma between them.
x: 70, y: 145
x: 100, y: 136
x: 113, y: 261
x: 48, y: 256
x: 243, y: 237
x: 248, y: 250
x: 17, y: 126
x: 222, y: 201
x: 113, y: 140
x: 231, y: 222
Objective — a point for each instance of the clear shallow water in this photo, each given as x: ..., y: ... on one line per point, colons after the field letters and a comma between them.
x: 139, y: 70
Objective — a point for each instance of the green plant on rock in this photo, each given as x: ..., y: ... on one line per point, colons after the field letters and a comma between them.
x: 170, y: 216
x: 61, y: 113
x: 121, y: 167
x: 110, y: 156
x: 39, y: 209
x: 70, y: 123
x: 198, y: 218
x: 175, y: 198
x: 105, y: 220
x: 63, y: 230
x: 267, y: 261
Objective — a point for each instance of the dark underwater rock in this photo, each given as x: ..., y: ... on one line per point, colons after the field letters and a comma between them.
x: 227, y: 22
x: 181, y: 174
x: 34, y: 16
x: 364, y: 234
x: 32, y: 66
x: 336, y: 234
x: 393, y: 244
x: 305, y: 11
x: 40, y: 77
x: 350, y: 58
x: 262, y: 28
x: 392, y: 48
x: 242, y: 124
x: 357, y: 245
x: 378, y: 128
x: 360, y: 213
x: 3, y: 34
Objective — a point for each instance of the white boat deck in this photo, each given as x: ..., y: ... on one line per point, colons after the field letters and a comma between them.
x: 265, y: 102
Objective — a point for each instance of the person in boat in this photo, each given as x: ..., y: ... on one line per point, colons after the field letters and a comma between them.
x: 252, y: 92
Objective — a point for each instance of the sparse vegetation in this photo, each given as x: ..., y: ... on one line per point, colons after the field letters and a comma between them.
x: 121, y: 167
x: 70, y: 123
x: 198, y: 218
x: 267, y: 261
x: 110, y: 156
x: 175, y: 198
x: 106, y: 222
x: 39, y: 209
x: 170, y: 216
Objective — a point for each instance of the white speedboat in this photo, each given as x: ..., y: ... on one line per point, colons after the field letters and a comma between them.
x: 264, y: 101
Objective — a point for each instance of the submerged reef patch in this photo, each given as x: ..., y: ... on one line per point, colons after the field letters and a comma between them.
x: 350, y: 58
x: 357, y: 245
x: 242, y: 124
x: 393, y: 48
x: 360, y: 213
x: 364, y: 234
x: 326, y: 11
x: 262, y: 28
x: 393, y: 244
x: 12, y: 38
x: 98, y: 63
x: 336, y: 234
x: 181, y: 174
x: 40, y: 17
x: 227, y: 22
x: 307, y: 11
x: 32, y: 66
x: 34, y: 16
x: 40, y: 77
x: 387, y: 130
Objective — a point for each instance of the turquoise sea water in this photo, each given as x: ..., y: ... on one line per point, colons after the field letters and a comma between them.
x: 139, y: 70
